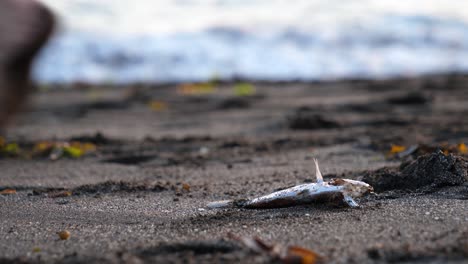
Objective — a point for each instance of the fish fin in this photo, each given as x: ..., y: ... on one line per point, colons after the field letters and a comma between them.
x: 221, y: 204
x: 350, y: 201
x: 318, y: 174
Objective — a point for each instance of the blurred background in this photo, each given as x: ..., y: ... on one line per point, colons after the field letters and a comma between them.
x: 121, y: 41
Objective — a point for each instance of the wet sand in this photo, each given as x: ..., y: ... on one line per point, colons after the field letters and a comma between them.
x: 141, y: 196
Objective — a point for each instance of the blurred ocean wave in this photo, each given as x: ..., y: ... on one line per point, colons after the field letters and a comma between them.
x: 195, y: 40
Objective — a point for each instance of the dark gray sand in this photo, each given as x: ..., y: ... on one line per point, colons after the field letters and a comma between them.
x: 128, y: 203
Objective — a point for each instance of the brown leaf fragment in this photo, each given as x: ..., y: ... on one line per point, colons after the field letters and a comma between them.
x: 186, y: 187
x: 7, y: 192
x: 302, y: 255
x: 462, y: 148
x: 289, y: 255
x: 59, y: 194
x: 64, y: 235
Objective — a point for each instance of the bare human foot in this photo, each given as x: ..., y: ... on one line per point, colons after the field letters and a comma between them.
x: 25, y: 26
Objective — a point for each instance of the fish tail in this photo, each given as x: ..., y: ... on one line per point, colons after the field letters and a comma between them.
x: 221, y: 204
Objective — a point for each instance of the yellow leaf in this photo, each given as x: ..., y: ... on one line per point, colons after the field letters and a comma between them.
x: 36, y: 249
x: 11, y: 149
x: 244, y: 89
x: 84, y: 147
x: 397, y: 149
x: 88, y: 147
x: 462, y: 148
x: 44, y: 146
x: 157, y: 106
x: 73, y: 152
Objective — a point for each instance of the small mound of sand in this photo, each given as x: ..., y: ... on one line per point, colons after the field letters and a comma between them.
x: 435, y: 170
x: 305, y: 118
x: 411, y: 98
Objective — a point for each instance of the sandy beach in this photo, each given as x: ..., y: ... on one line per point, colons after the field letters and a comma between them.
x: 162, y: 153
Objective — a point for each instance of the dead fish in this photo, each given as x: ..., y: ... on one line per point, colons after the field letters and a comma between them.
x: 336, y: 189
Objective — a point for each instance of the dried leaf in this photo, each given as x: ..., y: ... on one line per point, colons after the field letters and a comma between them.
x: 408, y: 151
x: 60, y: 194
x: 10, y: 149
x: 196, y: 89
x: 2, y: 142
x: 36, y: 249
x: 64, y: 235
x: 292, y: 254
x: 252, y: 243
x: 397, y: 149
x: 303, y: 255
x: 43, y: 147
x: 462, y: 148
x: 157, y: 106
x: 244, y: 89
x: 8, y: 192
x: 76, y: 149
x: 51, y: 149
x: 85, y: 147
x: 73, y: 152
x: 186, y: 187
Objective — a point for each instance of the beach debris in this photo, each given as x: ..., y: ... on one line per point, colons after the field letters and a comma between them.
x: 401, y: 151
x: 75, y: 147
x: 343, y: 190
x: 196, y: 89
x: 434, y: 170
x: 36, y: 249
x: 57, y: 150
x: 64, y: 234
x: 186, y: 187
x: 462, y: 148
x: 408, y: 151
x: 244, y: 89
x: 59, y: 194
x: 203, y: 151
x: 157, y: 106
x: 395, y: 149
x: 7, y: 192
x: 291, y: 254
x: 9, y: 149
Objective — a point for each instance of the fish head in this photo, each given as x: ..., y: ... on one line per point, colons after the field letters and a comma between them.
x: 353, y: 188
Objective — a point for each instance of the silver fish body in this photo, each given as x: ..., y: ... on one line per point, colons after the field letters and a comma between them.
x: 336, y: 189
